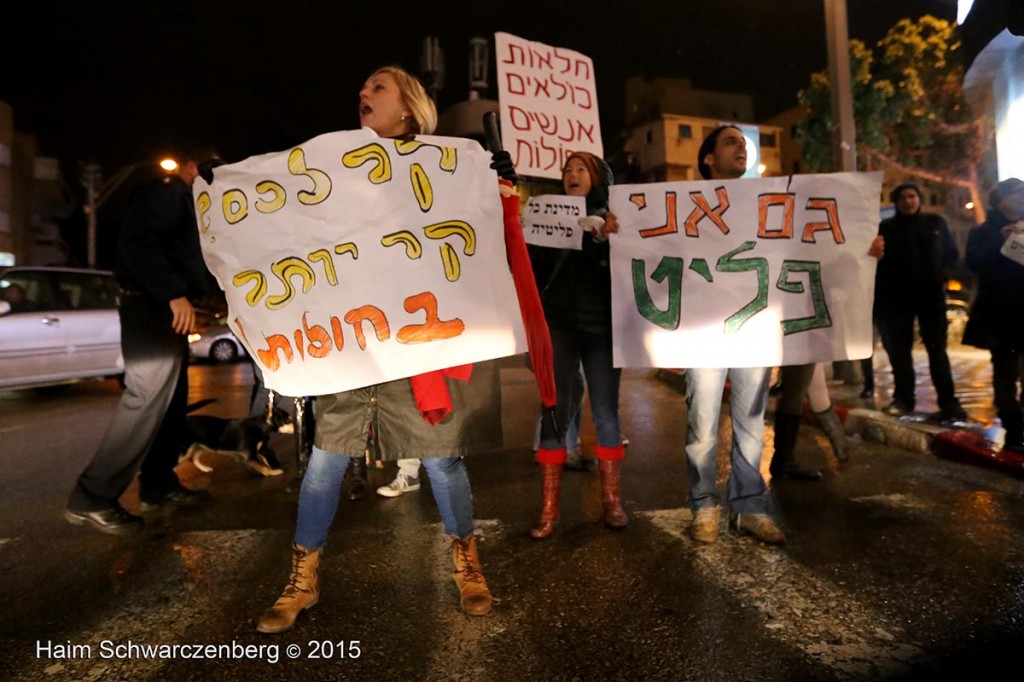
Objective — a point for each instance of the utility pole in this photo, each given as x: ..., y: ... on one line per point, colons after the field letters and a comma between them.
x: 97, y: 192
x: 91, y: 177
x: 844, y: 132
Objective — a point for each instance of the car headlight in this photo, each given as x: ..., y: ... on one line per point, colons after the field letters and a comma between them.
x: 192, y: 338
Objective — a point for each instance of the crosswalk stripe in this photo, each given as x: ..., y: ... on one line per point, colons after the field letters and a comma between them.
x: 821, y: 619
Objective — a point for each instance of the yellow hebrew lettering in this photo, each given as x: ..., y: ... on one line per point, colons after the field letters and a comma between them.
x: 381, y: 172
x: 421, y: 187
x: 412, y: 245
x: 273, y: 204
x: 285, y: 270
x: 450, y: 227
x: 202, y: 208
x: 235, y: 206
x: 349, y: 248
x: 324, y: 256
x: 257, y: 292
x: 321, y: 183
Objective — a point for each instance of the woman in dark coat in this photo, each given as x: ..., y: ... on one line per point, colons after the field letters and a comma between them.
x: 997, y: 315
x: 576, y: 293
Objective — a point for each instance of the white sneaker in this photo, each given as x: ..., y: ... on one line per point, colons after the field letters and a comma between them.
x: 399, y: 486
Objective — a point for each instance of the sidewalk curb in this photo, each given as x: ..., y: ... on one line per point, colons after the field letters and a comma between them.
x: 959, y: 445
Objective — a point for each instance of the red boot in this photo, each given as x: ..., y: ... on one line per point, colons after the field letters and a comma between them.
x: 551, y: 463
x: 610, y: 463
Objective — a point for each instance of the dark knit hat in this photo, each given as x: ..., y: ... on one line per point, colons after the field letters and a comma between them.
x: 894, y: 195
x: 1004, y: 189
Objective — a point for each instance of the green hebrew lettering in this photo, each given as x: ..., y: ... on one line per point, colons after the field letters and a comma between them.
x: 728, y: 263
x: 821, y: 317
x: 670, y: 269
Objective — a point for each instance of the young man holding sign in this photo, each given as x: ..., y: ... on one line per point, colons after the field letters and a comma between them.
x: 723, y: 156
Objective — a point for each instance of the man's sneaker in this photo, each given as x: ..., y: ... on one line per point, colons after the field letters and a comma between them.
x: 114, y: 521
x: 704, y: 527
x: 760, y: 526
x: 897, y: 408
x: 399, y: 486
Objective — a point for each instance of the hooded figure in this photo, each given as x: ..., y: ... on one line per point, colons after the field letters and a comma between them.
x: 997, y: 315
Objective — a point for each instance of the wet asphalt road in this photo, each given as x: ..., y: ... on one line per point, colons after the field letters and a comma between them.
x: 898, y: 566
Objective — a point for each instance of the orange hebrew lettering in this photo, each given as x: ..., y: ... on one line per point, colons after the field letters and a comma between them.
x: 434, y: 329
x: 269, y: 356
x: 670, y: 226
x: 319, y: 339
x: 702, y: 209
x: 831, y: 224
x: 336, y: 331
x: 764, y: 203
x: 373, y: 315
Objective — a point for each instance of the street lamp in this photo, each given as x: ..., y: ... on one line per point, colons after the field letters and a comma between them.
x: 97, y: 192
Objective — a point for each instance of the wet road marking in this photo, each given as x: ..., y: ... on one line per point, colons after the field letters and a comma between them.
x: 823, y: 620
x: 895, y: 501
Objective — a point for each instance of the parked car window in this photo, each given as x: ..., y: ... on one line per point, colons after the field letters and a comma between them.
x: 27, y: 291
x: 82, y: 291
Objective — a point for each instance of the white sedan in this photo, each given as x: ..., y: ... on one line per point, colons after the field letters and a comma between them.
x: 57, y: 325
x: 216, y: 342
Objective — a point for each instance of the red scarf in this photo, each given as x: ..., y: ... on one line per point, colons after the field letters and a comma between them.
x: 431, y: 388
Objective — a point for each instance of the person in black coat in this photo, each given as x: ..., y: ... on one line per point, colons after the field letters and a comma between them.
x: 910, y: 283
x: 997, y: 315
x: 161, y: 272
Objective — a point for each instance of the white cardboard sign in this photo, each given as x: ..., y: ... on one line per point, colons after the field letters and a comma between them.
x: 548, y: 102
x: 744, y: 273
x: 353, y: 259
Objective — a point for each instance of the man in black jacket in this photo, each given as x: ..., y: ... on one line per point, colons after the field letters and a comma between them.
x: 911, y: 282
x: 997, y: 316
x: 161, y: 270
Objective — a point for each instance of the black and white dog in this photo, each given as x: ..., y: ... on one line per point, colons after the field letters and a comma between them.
x: 246, y: 440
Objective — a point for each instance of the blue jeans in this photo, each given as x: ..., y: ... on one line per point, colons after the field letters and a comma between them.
x: 749, y: 397
x: 602, y: 381
x: 321, y: 490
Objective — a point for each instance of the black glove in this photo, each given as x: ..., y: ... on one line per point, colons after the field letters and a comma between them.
x: 548, y: 424
x: 501, y: 161
x: 206, y: 169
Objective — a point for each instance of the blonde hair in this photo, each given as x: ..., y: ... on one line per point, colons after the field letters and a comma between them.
x: 422, y: 108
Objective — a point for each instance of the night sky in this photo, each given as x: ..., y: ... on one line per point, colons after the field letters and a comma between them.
x: 116, y: 81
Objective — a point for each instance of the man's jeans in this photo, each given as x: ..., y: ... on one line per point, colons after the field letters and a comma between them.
x: 749, y: 397
x: 321, y: 490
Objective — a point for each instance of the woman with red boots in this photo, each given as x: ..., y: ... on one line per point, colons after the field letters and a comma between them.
x: 575, y: 289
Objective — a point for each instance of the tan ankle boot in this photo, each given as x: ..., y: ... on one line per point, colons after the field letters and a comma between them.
x: 302, y: 592
x: 476, y: 598
x: 551, y: 482
x: 611, y: 474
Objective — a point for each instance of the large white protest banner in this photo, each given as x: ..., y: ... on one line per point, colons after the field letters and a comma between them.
x: 744, y: 273
x: 548, y: 102
x: 553, y: 220
x: 354, y: 259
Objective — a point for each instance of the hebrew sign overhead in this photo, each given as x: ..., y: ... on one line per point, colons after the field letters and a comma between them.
x: 548, y: 100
